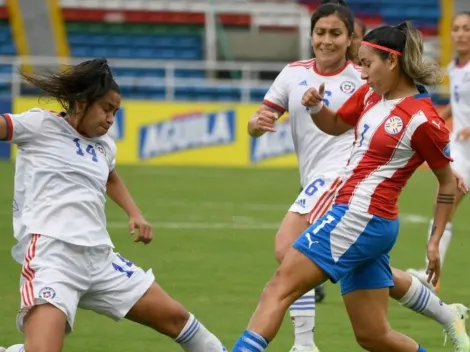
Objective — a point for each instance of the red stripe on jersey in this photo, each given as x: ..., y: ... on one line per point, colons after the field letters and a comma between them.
x: 382, y: 148
x: 306, y: 64
x: 274, y: 106
x: 386, y: 194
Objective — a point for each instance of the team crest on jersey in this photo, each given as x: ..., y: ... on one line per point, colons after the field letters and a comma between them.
x: 100, y: 149
x: 347, y: 87
x: 47, y: 293
x: 393, y: 125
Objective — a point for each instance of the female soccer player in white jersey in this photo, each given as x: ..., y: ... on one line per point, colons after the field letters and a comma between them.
x: 332, y: 26
x: 397, y: 129
x: 459, y: 110
x: 68, y: 258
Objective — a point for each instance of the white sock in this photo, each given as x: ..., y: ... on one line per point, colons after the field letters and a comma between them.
x: 196, y: 338
x: 421, y: 300
x: 302, y: 313
x: 445, y: 240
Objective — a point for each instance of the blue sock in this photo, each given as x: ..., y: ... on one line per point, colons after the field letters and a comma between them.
x: 251, y: 342
x: 420, y: 349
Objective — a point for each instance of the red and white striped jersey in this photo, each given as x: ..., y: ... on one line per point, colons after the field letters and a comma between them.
x: 392, y: 138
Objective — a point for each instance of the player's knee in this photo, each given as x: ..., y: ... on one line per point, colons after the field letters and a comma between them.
x: 280, y: 289
x: 280, y: 250
x: 370, y: 340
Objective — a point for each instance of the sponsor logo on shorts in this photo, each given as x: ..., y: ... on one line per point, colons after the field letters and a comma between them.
x: 47, y: 293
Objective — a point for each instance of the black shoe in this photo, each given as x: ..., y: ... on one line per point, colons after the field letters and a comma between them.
x: 320, y: 293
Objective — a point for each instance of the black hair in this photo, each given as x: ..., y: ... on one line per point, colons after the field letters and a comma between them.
x: 333, y: 7
x: 85, y: 82
x: 408, y: 41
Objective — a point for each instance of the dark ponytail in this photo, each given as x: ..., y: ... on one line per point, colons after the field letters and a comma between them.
x: 85, y: 82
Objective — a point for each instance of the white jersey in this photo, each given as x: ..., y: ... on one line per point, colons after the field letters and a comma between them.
x: 317, y: 152
x: 460, y: 96
x: 60, y: 179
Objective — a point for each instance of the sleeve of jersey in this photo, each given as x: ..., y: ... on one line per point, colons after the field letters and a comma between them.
x: 277, y: 96
x: 432, y: 142
x: 112, y: 161
x: 352, y: 109
x: 24, y: 127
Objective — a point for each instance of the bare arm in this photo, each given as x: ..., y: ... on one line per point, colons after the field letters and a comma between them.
x: 263, y: 121
x: 329, y: 122
x: 444, y: 206
x: 118, y: 192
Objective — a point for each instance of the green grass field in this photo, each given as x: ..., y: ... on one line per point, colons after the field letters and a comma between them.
x: 213, y: 250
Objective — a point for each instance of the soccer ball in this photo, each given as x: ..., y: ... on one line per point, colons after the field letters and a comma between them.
x: 16, y: 348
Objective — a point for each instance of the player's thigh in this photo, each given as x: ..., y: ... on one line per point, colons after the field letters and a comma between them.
x: 50, y: 288
x: 123, y: 290
x: 44, y: 329
x: 343, y: 240
x: 312, y: 203
x: 291, y: 227
x: 367, y: 311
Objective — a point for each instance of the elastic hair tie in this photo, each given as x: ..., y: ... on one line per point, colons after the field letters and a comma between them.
x: 380, y: 47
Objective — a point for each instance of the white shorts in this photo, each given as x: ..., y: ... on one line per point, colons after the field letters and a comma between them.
x: 317, y: 198
x: 69, y: 276
x: 460, y: 152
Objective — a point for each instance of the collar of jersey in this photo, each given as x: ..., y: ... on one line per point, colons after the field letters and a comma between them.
x: 423, y: 93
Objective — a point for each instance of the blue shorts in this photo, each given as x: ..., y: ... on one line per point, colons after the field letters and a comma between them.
x: 351, y: 247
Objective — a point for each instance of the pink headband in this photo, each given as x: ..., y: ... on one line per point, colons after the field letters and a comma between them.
x: 380, y: 47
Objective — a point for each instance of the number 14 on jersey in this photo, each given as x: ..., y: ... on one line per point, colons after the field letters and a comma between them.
x: 90, y: 150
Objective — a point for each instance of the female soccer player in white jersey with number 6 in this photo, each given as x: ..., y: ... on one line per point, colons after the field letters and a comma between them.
x: 68, y: 161
x: 332, y: 26
x: 459, y: 110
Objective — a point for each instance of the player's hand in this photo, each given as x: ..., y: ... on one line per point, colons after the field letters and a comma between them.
x: 265, y: 120
x: 313, y: 96
x: 463, y: 134
x: 143, y: 228
x: 434, y: 266
x: 461, y: 186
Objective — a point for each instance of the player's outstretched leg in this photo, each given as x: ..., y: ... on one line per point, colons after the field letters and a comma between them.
x: 302, y: 311
x: 411, y: 293
x: 296, y: 275
x: 157, y: 310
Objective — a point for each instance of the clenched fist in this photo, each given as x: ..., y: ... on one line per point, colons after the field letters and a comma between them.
x: 313, y: 97
x: 264, y: 121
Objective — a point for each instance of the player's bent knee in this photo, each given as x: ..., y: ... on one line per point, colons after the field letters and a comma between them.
x: 158, y: 311
x: 370, y: 341
x: 44, y: 327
